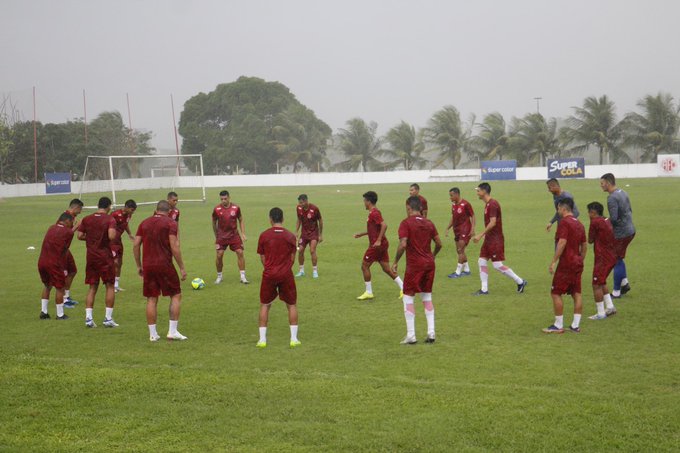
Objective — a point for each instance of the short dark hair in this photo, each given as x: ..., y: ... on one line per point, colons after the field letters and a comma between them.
x: 415, y: 186
x: 104, y: 202
x: 567, y: 203
x: 597, y: 207
x: 371, y: 196
x: 485, y: 186
x: 609, y: 177
x: 276, y: 214
x: 76, y: 202
x: 163, y: 206
x: 172, y: 194
x: 414, y: 203
x: 224, y: 193
x: 65, y: 216
x: 553, y: 181
x: 302, y: 197
x: 131, y: 204
x: 455, y: 190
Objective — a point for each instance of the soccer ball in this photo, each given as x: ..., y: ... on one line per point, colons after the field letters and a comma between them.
x: 197, y: 283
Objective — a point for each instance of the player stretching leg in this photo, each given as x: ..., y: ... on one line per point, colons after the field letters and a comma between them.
x: 122, y: 218
x: 601, y: 235
x: 52, y: 264
x: 75, y: 207
x: 225, y: 217
x: 493, y: 248
x: 378, y: 247
x: 463, y: 224
x: 309, y: 218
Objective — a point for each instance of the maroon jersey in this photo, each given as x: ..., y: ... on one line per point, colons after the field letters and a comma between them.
x: 601, y: 233
x: 309, y: 219
x: 423, y: 202
x: 155, y: 233
x: 460, y: 214
x: 96, y: 228
x: 493, y: 209
x: 174, y: 214
x: 226, y: 219
x: 55, y: 246
x: 277, y: 245
x: 373, y: 225
x: 573, y: 231
x: 420, y: 232
x: 122, y: 220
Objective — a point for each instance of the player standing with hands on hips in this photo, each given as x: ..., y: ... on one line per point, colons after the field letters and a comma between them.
x: 309, y: 218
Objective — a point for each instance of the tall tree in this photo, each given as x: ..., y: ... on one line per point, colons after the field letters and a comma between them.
x: 492, y: 141
x: 448, y: 134
x: 360, y: 144
x: 300, y: 138
x: 655, y: 129
x: 406, y: 146
x: 534, y: 139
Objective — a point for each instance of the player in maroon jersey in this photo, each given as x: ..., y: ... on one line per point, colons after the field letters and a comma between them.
x: 493, y: 248
x: 172, y: 199
x: 75, y: 207
x: 53, y: 262
x: 98, y: 230
x: 416, y: 233
x: 309, y: 218
x: 414, y: 191
x: 570, y: 252
x: 601, y: 235
x: 122, y: 218
x: 230, y: 233
x: 463, y: 225
x: 276, y: 247
x: 378, y: 246
x: 157, y: 236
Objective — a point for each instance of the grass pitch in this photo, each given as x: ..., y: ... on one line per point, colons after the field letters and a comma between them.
x: 492, y: 381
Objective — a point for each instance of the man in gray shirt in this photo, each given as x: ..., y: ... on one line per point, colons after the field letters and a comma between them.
x: 558, y: 195
x: 621, y: 218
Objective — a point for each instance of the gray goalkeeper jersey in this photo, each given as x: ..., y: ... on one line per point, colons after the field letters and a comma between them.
x: 620, y: 214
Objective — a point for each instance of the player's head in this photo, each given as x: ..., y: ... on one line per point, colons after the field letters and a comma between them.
x: 454, y: 194
x: 76, y: 206
x: 553, y: 186
x: 414, y: 189
x: 413, y: 205
x: 370, y: 199
x: 163, y: 207
x: 276, y: 216
x: 66, y: 219
x: 130, y: 206
x: 483, y: 190
x: 224, y: 198
x: 595, y: 209
x: 565, y: 206
x: 608, y: 182
x: 104, y: 203
x: 172, y: 198
x: 303, y: 200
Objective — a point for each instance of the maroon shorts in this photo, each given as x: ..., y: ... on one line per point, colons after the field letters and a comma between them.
x: 494, y: 251
x: 601, y: 271
x: 418, y: 280
x: 232, y: 244
x: 566, y: 281
x: 283, y: 287
x: 70, y: 263
x: 161, y: 280
x: 462, y: 236
x: 621, y: 245
x: 304, y: 240
x: 377, y: 255
x: 52, y: 275
x: 104, y: 270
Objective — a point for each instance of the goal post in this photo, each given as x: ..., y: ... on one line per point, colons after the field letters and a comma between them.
x: 139, y: 173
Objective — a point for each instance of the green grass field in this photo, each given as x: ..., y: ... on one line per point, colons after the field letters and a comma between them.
x: 492, y: 381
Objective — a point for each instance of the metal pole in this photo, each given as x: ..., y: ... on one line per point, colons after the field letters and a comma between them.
x: 35, y: 140
x: 538, y: 105
x: 113, y: 188
x: 85, y: 117
x: 202, y: 180
x: 174, y: 125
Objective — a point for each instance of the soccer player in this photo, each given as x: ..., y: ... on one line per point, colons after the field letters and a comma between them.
x: 172, y: 199
x: 621, y: 218
x: 276, y: 247
x: 157, y: 235
x: 558, y: 195
x: 52, y: 264
x: 414, y: 191
x: 378, y: 246
x: 601, y: 235
x: 309, y: 218
x: 225, y: 217
x: 415, y: 236
x: 493, y: 248
x: 98, y: 230
x: 570, y: 252
x: 463, y: 225
x: 122, y: 218
x: 75, y: 207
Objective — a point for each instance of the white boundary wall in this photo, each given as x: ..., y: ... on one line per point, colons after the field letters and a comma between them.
x: 324, y: 179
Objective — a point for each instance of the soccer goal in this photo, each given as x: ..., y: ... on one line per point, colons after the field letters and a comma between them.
x: 114, y: 174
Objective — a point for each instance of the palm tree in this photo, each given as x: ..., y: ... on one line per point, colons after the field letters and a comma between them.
x: 406, y: 146
x: 300, y: 138
x: 360, y: 145
x: 655, y: 130
x: 450, y: 136
x: 493, y: 140
x: 595, y: 124
x: 534, y: 139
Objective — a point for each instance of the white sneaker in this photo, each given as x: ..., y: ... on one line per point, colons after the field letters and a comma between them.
x: 110, y: 323
x: 176, y: 336
x: 154, y: 338
x: 409, y: 340
x: 430, y: 338
x: 315, y: 274
x: 118, y: 289
x: 218, y: 280
x: 89, y: 322
x: 244, y: 281
x: 597, y: 317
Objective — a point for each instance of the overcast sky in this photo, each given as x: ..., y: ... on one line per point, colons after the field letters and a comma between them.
x: 381, y: 60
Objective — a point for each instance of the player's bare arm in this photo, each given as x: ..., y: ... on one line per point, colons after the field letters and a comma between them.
x: 400, y: 252
x: 214, y: 225
x: 262, y: 259
x: 81, y: 235
x: 473, y: 223
x: 489, y: 227
x: 127, y: 230
x: 446, y: 233
x: 320, y: 230
x: 583, y: 250
x: 381, y: 235
x: 177, y: 254
x: 242, y: 228
x: 136, y: 251
x: 112, y: 234
x: 358, y: 235
x: 437, y: 245
x: 561, y: 245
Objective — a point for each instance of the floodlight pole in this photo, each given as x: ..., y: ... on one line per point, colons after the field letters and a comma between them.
x: 35, y: 140
x: 174, y: 125
x: 538, y: 105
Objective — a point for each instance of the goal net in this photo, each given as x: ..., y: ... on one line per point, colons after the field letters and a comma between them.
x: 145, y: 175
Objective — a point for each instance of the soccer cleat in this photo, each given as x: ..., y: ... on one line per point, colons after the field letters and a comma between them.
x: 44, y: 315
x: 553, y: 329
x: 521, y: 286
x: 89, y: 322
x: 465, y: 273
x: 315, y: 274
x: 62, y: 318
x: 401, y: 294
x: 154, y: 338
x: 430, y: 338
x: 610, y: 311
x: 110, y: 323
x: 409, y: 340
x: 625, y: 288
x: 245, y: 282
x: 574, y: 329
x: 300, y: 274
x: 597, y: 317
x: 295, y: 343
x: 70, y: 303
x: 119, y: 289
x: 365, y: 296
x: 176, y: 336
x: 455, y: 275
x: 261, y: 344
x: 218, y: 280
x: 479, y: 292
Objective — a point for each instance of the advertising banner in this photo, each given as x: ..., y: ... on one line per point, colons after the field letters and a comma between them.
x: 572, y: 167
x: 57, y: 183
x: 668, y: 164
x: 499, y: 169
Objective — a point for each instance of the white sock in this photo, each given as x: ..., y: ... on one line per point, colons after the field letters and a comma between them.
x: 608, y: 301
x: 484, y: 273
x: 219, y: 275
x: 44, y: 303
x: 616, y: 292
x: 624, y: 282
x: 152, y: 330
x: 577, y: 321
x: 315, y: 268
x: 67, y: 293
x: 410, y: 316
x: 600, y: 308
x: 369, y: 287
x: 399, y: 282
x: 243, y: 274
x: 466, y: 267
x: 559, y: 322
x: 60, y: 310
x: 293, y: 333
x: 117, y: 281
x: 505, y: 270
x: 109, y: 312
x: 302, y: 268
x: 263, y: 334
x: 88, y: 313
x: 172, y: 327
x: 459, y: 268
